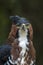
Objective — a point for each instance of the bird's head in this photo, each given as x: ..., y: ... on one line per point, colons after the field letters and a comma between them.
x: 20, y: 24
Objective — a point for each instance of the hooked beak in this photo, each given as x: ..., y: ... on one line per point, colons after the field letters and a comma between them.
x: 23, y: 27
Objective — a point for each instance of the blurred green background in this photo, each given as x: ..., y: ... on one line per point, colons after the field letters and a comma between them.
x: 33, y: 11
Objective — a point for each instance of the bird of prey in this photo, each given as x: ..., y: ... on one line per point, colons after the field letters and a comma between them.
x: 20, y: 47
x: 22, y: 31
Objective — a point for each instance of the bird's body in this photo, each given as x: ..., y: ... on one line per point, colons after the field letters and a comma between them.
x: 25, y: 46
x: 23, y: 42
x: 23, y: 51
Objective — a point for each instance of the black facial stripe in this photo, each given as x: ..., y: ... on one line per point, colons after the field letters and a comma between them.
x: 28, y: 37
x: 28, y: 33
x: 17, y: 34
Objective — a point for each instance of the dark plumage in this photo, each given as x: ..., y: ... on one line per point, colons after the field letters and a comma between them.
x: 14, y: 19
x: 18, y: 19
x: 4, y: 53
x: 25, y: 41
x: 23, y: 20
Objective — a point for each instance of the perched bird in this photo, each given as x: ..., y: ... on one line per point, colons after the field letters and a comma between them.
x: 22, y: 31
x: 17, y: 20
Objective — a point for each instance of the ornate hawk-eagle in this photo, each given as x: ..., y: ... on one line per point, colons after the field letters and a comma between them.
x: 22, y: 31
x: 20, y: 45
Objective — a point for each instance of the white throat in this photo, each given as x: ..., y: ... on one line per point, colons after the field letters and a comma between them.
x: 23, y: 38
x: 23, y: 42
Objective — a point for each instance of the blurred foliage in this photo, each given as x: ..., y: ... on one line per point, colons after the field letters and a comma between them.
x: 33, y: 11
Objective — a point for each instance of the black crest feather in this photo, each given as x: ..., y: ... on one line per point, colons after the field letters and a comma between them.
x: 17, y: 19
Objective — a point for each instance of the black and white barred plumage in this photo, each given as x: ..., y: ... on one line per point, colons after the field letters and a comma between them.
x: 27, y: 54
x: 9, y: 61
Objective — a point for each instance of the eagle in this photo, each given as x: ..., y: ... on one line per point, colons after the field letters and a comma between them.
x: 22, y: 31
x: 21, y: 50
x: 16, y: 21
